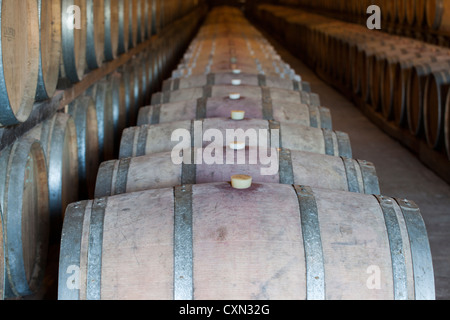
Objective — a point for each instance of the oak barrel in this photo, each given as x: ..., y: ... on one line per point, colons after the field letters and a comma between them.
x: 102, y: 94
x: 133, y: 27
x: 74, y: 39
x: 146, y: 139
x: 416, y: 90
x: 112, y: 28
x: 227, y: 78
x: 287, y: 112
x: 435, y: 95
x: 50, y: 48
x: 84, y: 115
x: 58, y: 136
x: 268, y: 242
x: 437, y: 13
x: 124, y: 26
x: 24, y: 208
x: 119, y: 107
x: 127, y: 77
x: 415, y: 12
x: 95, y: 37
x: 282, y: 166
x: 19, y: 60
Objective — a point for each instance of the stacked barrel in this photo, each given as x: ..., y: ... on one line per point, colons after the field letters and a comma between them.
x: 404, y: 81
x: 73, y: 74
x: 183, y: 215
x: 413, y: 18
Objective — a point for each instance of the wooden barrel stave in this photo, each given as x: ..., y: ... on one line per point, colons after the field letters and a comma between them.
x: 288, y: 112
x: 274, y: 242
x: 24, y: 223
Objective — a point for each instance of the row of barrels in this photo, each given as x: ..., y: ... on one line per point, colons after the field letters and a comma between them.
x: 405, y: 81
x: 45, y: 41
x: 55, y: 163
x: 427, y: 14
x: 182, y: 215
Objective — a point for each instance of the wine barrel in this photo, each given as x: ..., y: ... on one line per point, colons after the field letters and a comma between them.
x: 127, y: 78
x: 438, y: 14
x: 137, y: 141
x: 74, y: 39
x: 270, y: 241
x: 133, y: 26
x: 229, y: 78
x: 226, y: 64
x: 148, y: 18
x: 415, y: 12
x: 155, y: 17
x: 147, y: 70
x: 288, y: 112
x: 112, y: 25
x: 142, y: 11
x: 435, y: 95
x: 95, y: 38
x: 84, y: 115
x: 286, y: 166
x: 124, y: 26
x: 101, y: 92
x: 141, y: 65
x: 415, y: 92
x: 50, y: 48
x: 139, y: 84
x: 19, y: 56
x: 271, y: 94
x: 393, y: 89
x: 420, y: 12
x: 401, y: 11
x: 58, y: 137
x: 118, y: 92
x: 24, y: 207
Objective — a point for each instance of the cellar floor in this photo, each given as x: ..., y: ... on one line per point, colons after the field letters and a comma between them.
x: 400, y: 173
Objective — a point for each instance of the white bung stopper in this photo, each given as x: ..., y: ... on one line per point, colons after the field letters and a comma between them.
x: 237, y: 115
x: 237, y: 145
x: 241, y: 181
x: 234, y: 96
